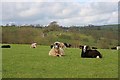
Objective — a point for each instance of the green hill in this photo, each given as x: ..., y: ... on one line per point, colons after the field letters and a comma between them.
x: 104, y: 36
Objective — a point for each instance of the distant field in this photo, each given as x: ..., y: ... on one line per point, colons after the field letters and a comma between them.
x: 22, y: 62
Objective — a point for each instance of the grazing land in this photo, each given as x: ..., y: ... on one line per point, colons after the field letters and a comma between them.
x: 21, y: 61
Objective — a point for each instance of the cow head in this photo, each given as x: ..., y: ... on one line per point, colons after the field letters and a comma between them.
x: 56, y: 45
x: 84, y: 48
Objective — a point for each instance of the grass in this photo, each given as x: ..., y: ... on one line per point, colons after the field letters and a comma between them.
x: 22, y: 62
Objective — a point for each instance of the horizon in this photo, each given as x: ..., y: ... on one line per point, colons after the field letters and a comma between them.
x: 34, y: 25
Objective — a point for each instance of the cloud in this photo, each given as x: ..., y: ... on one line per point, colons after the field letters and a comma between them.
x: 28, y: 13
x: 59, y: 0
x: 66, y: 13
x: 104, y: 0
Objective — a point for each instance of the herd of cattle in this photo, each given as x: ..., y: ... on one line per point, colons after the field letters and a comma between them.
x: 57, y: 49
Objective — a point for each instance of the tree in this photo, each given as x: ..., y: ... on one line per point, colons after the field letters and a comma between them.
x: 54, y: 23
x: 53, y: 26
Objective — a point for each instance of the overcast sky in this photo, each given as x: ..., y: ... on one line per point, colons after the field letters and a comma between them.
x: 66, y: 13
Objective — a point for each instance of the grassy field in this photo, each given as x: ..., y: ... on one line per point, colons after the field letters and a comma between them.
x: 22, y: 62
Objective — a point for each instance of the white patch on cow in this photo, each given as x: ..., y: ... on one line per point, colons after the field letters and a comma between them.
x: 97, y: 57
x: 84, y: 48
x: 118, y: 47
x: 60, y: 56
x: 33, y: 45
x: 56, y: 46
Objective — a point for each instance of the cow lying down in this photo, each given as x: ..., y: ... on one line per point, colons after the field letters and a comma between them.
x: 5, y: 46
x: 33, y: 45
x: 88, y: 53
x: 57, y: 49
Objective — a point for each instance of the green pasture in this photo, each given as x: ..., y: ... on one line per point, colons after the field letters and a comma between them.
x: 21, y: 61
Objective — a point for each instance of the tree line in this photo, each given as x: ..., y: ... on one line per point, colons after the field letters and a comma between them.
x: 99, y: 36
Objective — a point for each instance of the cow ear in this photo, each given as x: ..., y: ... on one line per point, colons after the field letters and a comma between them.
x: 80, y: 46
x: 88, y: 48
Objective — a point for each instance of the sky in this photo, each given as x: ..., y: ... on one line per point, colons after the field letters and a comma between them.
x: 65, y: 12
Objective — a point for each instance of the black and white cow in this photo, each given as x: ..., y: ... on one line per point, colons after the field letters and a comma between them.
x: 67, y: 45
x: 5, y: 46
x: 88, y: 53
x: 116, y: 48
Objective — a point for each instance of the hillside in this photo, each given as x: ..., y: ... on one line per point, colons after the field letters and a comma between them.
x: 104, y: 36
